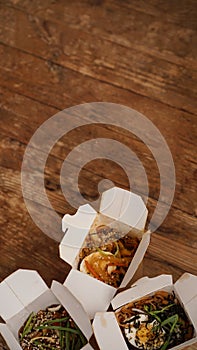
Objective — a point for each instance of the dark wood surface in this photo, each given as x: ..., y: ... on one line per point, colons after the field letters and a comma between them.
x: 57, y: 54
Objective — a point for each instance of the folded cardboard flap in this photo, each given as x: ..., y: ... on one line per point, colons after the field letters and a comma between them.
x: 76, y: 228
x: 71, y: 244
x: 26, y: 284
x: 124, y: 206
x: 10, y: 304
x: 73, y: 307
x: 18, y: 291
x: 107, y: 332
x: 93, y: 294
x: 137, y: 259
x: 191, y: 309
x: 186, y: 289
x: 9, y: 338
x: 85, y: 216
x: 139, y: 290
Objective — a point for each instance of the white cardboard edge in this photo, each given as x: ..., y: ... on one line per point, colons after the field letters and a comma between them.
x: 18, y: 290
x: 92, y: 294
x: 124, y: 206
x: 103, y: 324
x: 138, y: 290
x: 14, y: 289
x: 85, y: 215
x: 9, y: 338
x: 73, y: 307
x: 107, y: 332
x: 137, y: 259
x: 186, y: 288
x: 76, y: 228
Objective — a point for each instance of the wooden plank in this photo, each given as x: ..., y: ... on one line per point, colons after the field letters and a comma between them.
x: 58, y: 54
x: 23, y: 245
x: 159, y: 252
x: 179, y: 12
x: 114, y: 20
x: 185, y: 170
x: 178, y: 225
x: 66, y: 44
x: 173, y: 11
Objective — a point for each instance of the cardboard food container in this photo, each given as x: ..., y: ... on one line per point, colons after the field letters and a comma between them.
x: 8, y: 337
x: 105, y: 323
x: 24, y: 292
x: 117, y: 205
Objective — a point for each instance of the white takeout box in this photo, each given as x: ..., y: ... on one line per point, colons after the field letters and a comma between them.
x: 117, y: 204
x: 23, y: 292
x: 9, y: 338
x: 106, y: 329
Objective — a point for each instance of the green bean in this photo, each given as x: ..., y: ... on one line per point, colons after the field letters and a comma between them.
x: 59, y: 328
x: 27, y: 328
x: 56, y: 320
x: 67, y: 337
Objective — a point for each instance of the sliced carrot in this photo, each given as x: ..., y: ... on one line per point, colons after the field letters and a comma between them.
x: 91, y: 270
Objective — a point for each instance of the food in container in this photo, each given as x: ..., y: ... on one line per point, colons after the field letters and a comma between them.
x: 156, y: 322
x: 52, y: 328
x: 107, y: 253
x: 27, y: 302
x: 125, y: 214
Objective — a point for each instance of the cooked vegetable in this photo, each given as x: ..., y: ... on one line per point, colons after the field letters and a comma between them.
x: 108, y: 262
x: 157, y: 322
x: 53, y: 329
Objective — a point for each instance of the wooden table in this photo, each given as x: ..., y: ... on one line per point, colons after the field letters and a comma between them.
x: 57, y: 54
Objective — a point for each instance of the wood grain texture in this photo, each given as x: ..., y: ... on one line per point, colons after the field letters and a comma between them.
x: 57, y: 54
x: 82, y: 44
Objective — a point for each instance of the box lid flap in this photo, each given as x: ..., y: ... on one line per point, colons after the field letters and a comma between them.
x: 18, y: 290
x: 138, y: 291
x: 9, y: 305
x: 73, y: 307
x: 76, y: 228
x: 83, y: 218
x: 85, y: 289
x: 107, y: 332
x: 9, y: 338
x: 137, y: 259
x: 27, y: 285
x: 124, y: 206
x: 186, y: 288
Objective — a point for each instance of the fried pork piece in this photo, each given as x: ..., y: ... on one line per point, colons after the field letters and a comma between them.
x: 109, y: 260
x: 3, y: 344
x: 157, y: 322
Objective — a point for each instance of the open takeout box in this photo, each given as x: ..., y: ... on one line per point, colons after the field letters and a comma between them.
x: 105, y: 324
x: 25, y: 291
x: 120, y: 206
